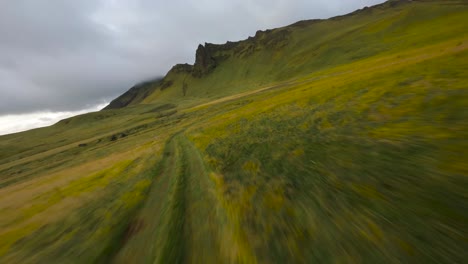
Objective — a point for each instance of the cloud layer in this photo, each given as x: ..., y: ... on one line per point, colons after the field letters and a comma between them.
x: 67, y: 55
x: 21, y: 122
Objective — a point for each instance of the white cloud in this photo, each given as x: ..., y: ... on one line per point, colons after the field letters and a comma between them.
x: 22, y: 122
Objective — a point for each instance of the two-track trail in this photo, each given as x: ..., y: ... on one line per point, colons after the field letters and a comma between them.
x: 181, y: 221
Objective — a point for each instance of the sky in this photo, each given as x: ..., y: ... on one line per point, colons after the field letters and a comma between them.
x: 60, y: 58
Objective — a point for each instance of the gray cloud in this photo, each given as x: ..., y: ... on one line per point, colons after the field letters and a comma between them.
x: 67, y: 55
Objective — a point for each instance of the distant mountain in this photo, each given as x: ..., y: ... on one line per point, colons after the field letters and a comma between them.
x: 135, y: 95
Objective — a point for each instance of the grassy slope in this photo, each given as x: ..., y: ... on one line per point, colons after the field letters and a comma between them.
x: 318, y: 45
x: 360, y: 157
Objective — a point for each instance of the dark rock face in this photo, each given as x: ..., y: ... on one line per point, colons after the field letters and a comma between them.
x: 182, y: 68
x: 273, y: 39
x: 209, y: 56
x: 204, y: 62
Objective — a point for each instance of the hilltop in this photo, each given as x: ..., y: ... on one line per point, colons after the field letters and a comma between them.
x: 334, y: 140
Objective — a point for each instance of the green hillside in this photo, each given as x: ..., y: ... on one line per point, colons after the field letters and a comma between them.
x: 327, y: 141
x: 290, y: 52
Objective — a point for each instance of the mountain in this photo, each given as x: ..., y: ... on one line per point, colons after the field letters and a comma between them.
x: 337, y: 140
x: 135, y: 95
x: 280, y: 54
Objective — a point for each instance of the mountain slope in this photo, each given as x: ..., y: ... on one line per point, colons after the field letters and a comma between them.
x: 307, y: 46
x: 345, y: 143
x: 135, y: 95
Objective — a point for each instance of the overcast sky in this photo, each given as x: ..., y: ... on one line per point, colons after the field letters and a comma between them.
x: 69, y: 56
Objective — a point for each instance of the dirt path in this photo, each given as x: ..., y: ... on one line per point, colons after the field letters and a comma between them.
x: 142, y: 238
x: 178, y: 221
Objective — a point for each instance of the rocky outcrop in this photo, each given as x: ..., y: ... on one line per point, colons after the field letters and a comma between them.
x: 182, y: 68
x: 204, y: 61
x: 207, y: 58
x: 273, y: 39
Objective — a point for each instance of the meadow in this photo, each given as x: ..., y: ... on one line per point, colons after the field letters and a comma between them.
x: 347, y: 144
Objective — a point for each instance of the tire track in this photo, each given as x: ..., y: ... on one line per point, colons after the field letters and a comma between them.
x: 184, y: 219
x: 146, y: 245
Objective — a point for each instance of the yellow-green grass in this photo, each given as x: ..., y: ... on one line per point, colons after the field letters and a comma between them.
x: 346, y: 145
x: 70, y: 201
x: 376, y: 156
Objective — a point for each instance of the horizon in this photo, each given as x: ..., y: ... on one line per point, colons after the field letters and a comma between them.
x: 49, y: 77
